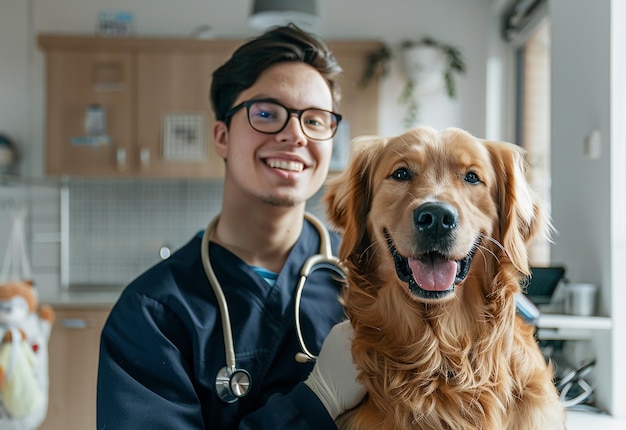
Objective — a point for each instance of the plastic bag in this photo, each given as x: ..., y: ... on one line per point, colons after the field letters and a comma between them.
x: 24, y: 336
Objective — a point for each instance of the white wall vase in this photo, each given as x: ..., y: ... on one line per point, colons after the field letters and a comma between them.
x: 425, y: 66
x: 430, y: 67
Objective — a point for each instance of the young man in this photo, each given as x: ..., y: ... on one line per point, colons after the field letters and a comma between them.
x: 164, y: 345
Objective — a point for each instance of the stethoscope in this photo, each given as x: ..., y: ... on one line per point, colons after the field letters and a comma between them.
x: 232, y: 382
x: 575, y: 376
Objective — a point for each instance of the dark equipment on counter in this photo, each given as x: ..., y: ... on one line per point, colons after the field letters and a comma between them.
x: 542, y: 283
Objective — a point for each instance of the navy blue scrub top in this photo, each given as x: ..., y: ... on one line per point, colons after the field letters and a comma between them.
x: 162, y: 345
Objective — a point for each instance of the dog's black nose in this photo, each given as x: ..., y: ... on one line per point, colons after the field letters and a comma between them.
x: 436, y: 218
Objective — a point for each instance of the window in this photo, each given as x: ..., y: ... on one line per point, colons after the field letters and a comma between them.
x: 533, y: 118
x: 526, y: 30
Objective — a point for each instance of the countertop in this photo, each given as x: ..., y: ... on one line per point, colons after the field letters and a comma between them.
x: 80, y: 299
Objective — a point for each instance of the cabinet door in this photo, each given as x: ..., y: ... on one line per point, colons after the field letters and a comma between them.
x: 76, y: 80
x: 174, y: 115
x: 73, y: 366
x: 358, y: 105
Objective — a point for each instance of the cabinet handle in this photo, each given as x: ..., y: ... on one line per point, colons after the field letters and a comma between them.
x: 144, y: 158
x: 121, y: 159
x: 74, y: 323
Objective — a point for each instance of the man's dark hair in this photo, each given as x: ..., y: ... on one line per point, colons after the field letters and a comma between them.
x: 281, y: 44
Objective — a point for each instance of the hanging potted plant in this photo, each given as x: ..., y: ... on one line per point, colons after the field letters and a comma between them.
x: 427, y: 63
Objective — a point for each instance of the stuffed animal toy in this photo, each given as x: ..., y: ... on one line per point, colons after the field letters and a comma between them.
x: 24, y: 333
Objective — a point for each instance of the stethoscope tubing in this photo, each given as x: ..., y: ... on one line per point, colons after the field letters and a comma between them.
x: 226, y: 380
x: 325, y: 256
x: 227, y: 332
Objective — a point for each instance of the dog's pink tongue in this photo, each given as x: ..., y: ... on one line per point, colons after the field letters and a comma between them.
x: 433, y: 273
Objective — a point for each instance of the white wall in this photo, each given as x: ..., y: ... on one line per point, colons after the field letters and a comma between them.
x: 582, y: 90
x: 15, y: 67
x: 618, y: 203
x: 580, y: 96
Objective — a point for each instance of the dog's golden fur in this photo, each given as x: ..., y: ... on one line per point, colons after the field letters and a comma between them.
x: 458, y: 359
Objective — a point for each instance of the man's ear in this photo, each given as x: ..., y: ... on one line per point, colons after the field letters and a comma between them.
x: 220, y: 136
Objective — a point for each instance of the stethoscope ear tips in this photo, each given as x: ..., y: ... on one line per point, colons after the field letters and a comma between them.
x: 303, y: 358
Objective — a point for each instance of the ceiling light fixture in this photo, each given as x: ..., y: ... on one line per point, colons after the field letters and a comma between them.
x: 270, y: 13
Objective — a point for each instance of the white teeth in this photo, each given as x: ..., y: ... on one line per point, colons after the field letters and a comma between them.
x: 294, y: 166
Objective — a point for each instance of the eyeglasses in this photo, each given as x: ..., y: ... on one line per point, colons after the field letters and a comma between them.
x: 270, y: 117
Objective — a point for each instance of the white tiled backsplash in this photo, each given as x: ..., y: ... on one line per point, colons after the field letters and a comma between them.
x: 116, y: 227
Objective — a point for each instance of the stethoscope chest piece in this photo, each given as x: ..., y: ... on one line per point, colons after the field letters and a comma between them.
x: 232, y: 384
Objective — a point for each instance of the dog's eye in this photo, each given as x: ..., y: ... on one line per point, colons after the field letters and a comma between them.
x: 401, y: 174
x: 472, y: 178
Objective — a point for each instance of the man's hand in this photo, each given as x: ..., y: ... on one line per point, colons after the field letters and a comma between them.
x: 333, y: 379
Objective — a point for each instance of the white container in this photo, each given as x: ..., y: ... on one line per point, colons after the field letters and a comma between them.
x: 580, y: 299
x: 425, y: 65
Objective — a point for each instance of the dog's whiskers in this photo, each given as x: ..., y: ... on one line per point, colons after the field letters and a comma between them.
x: 372, y: 327
x: 484, y: 250
x: 370, y: 247
x: 368, y: 254
x: 494, y: 241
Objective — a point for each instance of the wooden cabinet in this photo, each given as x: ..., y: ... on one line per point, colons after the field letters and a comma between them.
x: 358, y: 105
x: 175, y: 83
x: 144, y: 89
x: 73, y: 368
x: 77, y: 80
x: 154, y: 97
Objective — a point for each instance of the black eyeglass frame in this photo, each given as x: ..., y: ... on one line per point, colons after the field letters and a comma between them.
x: 291, y: 112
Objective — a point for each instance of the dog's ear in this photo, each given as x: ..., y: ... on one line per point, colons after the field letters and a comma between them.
x: 521, y: 215
x: 348, y: 195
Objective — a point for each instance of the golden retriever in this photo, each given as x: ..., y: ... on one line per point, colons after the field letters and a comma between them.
x: 435, y: 230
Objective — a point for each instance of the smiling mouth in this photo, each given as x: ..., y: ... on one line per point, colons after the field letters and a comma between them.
x: 430, y: 275
x: 292, y: 166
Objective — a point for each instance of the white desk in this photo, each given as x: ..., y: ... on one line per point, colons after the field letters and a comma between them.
x: 569, y: 327
x: 586, y: 421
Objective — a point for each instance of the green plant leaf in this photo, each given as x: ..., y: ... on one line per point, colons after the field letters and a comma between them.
x: 412, y: 109
x: 376, y: 65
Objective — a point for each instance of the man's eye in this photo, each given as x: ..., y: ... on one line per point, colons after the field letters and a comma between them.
x: 314, y: 123
x: 316, y: 118
x: 265, y: 114
x: 265, y: 111
x: 401, y: 174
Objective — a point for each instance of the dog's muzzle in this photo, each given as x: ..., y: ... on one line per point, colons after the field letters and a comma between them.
x: 431, y: 274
